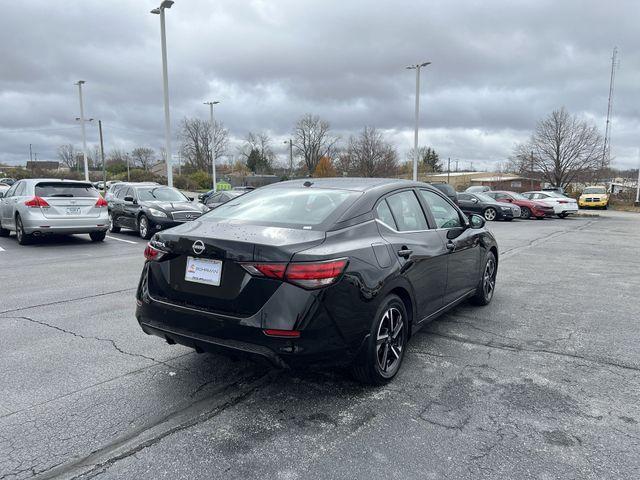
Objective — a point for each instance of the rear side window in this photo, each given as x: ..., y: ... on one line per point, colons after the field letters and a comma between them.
x: 384, y: 214
x: 407, y: 211
x: 446, y: 216
x: 20, y: 189
x: 59, y: 189
x: 292, y: 207
x: 464, y: 196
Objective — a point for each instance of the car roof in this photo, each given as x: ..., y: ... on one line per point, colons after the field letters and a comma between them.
x: 358, y: 184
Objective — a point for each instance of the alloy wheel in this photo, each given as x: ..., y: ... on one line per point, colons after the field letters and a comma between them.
x: 489, y: 279
x: 490, y: 214
x: 390, y: 341
x: 144, y: 227
x: 19, y: 231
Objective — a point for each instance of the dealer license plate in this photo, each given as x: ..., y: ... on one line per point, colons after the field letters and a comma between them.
x: 203, y: 270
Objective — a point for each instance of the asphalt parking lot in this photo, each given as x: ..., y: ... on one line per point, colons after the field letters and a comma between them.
x: 543, y: 383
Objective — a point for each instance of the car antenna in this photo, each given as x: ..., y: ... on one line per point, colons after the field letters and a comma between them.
x: 307, y: 184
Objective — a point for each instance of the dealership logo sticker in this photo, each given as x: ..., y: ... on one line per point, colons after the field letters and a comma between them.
x: 198, y: 247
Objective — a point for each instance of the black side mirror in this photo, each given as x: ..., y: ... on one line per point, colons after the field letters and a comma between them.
x: 128, y: 199
x: 477, y: 221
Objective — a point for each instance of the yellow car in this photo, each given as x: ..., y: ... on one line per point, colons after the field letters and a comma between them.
x: 594, y: 197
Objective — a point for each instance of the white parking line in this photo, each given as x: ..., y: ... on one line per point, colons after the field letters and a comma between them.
x: 121, y: 239
x: 2, y: 249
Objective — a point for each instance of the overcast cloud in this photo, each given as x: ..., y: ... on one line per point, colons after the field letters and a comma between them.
x: 497, y: 68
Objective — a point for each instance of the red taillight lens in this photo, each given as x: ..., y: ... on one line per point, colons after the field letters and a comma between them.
x: 151, y: 253
x: 37, y: 202
x: 101, y: 203
x: 282, y: 333
x: 303, y: 274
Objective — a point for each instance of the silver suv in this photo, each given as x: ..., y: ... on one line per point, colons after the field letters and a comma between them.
x: 35, y: 207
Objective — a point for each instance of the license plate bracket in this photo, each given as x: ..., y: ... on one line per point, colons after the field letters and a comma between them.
x: 203, y: 270
x: 73, y: 210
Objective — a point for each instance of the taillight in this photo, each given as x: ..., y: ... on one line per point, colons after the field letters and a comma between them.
x: 101, y: 203
x: 304, y: 274
x: 151, y: 253
x: 37, y: 202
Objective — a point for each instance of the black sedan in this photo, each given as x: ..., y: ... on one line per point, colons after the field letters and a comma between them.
x: 317, y: 272
x: 218, y: 198
x: 150, y: 208
x: 484, y: 205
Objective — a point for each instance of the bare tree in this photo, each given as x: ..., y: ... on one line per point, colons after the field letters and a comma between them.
x: 257, y: 152
x: 67, y: 155
x: 561, y: 149
x: 312, y: 140
x: 370, y: 155
x: 143, y: 157
x: 195, y: 149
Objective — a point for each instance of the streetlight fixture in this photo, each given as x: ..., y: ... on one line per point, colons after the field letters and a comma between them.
x: 165, y: 86
x: 84, y: 133
x: 290, y: 142
x: 417, y: 68
x: 213, y: 150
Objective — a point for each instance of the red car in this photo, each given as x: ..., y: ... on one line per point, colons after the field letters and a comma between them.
x: 529, y: 208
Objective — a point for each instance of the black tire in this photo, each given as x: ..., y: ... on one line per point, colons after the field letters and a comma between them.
x: 144, y: 227
x: 563, y: 215
x: 490, y: 214
x: 113, y: 228
x: 605, y: 207
x: 525, y: 213
x: 21, y: 236
x: 487, y: 285
x: 3, y: 231
x: 97, y: 236
x: 381, y: 345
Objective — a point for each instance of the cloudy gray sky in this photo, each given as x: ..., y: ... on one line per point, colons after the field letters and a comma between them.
x: 497, y: 68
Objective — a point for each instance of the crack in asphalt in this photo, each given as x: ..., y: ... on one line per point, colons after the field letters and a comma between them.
x: 100, y: 339
x: 58, y: 302
x: 97, y: 462
x: 518, y: 348
x: 512, y: 251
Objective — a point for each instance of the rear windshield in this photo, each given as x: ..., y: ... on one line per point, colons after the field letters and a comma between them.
x: 290, y: 207
x: 59, y: 189
x: 595, y: 190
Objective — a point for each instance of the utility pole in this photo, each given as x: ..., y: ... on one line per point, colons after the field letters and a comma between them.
x: 606, y: 150
x: 417, y: 68
x: 532, y: 171
x: 290, y: 142
x: 213, y: 149
x: 638, y: 185
x: 165, y: 88
x: 84, y: 133
x: 456, y: 165
x: 104, y: 168
x: 448, y: 168
x: 30, y: 153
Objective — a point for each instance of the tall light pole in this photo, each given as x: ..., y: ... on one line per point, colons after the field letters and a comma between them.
x: 213, y: 131
x: 638, y: 185
x: 165, y: 86
x: 84, y: 133
x: 290, y: 142
x: 417, y: 68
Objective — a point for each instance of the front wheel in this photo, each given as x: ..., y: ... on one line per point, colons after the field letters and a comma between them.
x: 486, y: 287
x: 144, y: 228
x: 490, y: 214
x: 385, y: 348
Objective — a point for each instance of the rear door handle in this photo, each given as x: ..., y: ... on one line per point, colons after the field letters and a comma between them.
x: 405, y: 252
x: 451, y: 246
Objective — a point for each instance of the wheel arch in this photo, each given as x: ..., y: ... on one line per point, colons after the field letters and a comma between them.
x: 405, y: 296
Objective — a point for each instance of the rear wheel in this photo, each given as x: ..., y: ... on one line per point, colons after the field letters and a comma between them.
x: 490, y: 214
x: 144, y: 228
x: 525, y: 213
x: 3, y: 231
x: 563, y: 215
x: 97, y: 236
x: 113, y: 228
x: 21, y: 236
x: 487, y: 285
x: 385, y: 348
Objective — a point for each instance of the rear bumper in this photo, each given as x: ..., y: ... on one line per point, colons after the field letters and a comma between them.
x: 36, y: 222
x: 320, y: 343
x: 566, y: 208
